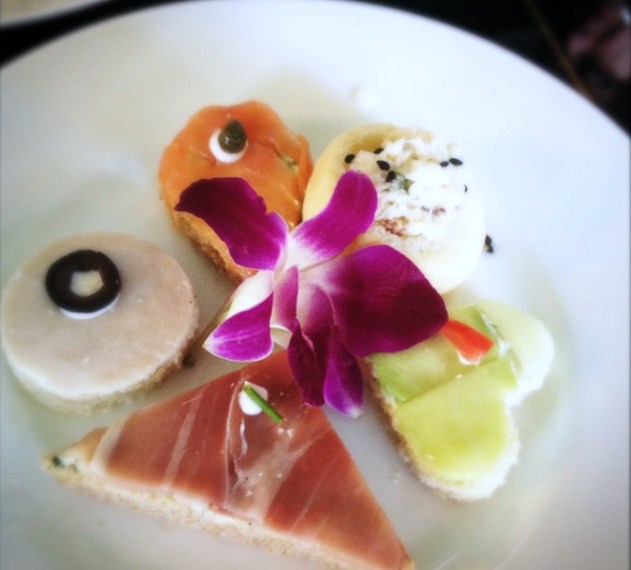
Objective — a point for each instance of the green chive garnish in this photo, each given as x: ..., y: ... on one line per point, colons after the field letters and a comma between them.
x: 262, y: 403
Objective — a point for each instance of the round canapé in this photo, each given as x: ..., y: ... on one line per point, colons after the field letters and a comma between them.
x: 113, y: 339
x: 429, y: 207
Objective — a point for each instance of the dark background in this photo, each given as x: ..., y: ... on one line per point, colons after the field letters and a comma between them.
x: 535, y: 29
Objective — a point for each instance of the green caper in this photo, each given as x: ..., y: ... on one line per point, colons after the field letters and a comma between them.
x: 232, y: 137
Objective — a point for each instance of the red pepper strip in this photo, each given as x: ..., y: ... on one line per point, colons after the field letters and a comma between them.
x: 471, y: 344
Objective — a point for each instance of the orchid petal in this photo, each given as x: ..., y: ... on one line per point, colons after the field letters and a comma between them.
x: 343, y: 382
x: 237, y: 214
x: 244, y: 336
x: 381, y: 300
x: 349, y: 213
x: 251, y: 292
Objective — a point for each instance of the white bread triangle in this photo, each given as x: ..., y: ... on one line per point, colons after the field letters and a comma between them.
x: 292, y: 487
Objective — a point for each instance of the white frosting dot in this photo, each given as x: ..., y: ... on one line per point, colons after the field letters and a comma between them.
x: 249, y: 406
x: 219, y: 153
x: 84, y: 316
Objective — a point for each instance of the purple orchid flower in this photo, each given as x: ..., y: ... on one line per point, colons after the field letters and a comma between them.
x: 325, y: 305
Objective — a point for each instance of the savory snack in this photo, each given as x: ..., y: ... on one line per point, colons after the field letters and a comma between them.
x: 93, y: 318
x: 429, y: 207
x: 449, y: 401
x: 267, y: 469
x: 247, y: 141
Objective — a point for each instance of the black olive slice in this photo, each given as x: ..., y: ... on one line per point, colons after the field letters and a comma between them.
x: 232, y: 137
x: 62, y: 273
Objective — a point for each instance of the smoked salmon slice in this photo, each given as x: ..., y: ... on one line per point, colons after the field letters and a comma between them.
x: 276, y: 162
x: 200, y: 458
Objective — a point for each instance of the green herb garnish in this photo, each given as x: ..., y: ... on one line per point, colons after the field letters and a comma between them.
x: 406, y: 184
x: 262, y: 403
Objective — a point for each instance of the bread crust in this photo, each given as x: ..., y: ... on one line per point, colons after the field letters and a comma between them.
x: 209, y: 244
x: 102, y: 402
x: 330, y: 165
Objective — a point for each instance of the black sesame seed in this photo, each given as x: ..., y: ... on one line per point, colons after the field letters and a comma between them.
x: 378, y: 150
x: 455, y: 161
x: 383, y: 164
x: 391, y: 176
x: 444, y: 163
x: 57, y: 461
x: 465, y: 188
x: 488, y: 244
x: 349, y: 158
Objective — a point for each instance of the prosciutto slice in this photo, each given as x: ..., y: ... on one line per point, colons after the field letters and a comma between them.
x: 294, y: 479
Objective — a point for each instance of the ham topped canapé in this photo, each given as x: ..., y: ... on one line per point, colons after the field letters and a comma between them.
x: 207, y: 457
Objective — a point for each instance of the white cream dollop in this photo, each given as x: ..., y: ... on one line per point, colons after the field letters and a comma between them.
x: 86, y: 283
x: 248, y: 406
x: 219, y: 153
x: 420, y: 184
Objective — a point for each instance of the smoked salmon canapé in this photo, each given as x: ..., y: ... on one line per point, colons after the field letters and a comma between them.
x: 249, y: 141
x: 268, y: 469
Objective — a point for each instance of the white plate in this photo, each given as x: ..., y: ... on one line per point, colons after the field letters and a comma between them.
x: 84, y: 122
x: 23, y: 11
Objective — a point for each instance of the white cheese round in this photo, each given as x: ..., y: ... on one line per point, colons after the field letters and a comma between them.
x: 82, y: 364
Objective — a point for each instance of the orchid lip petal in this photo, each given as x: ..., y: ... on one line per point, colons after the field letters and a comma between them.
x: 307, y: 348
x: 237, y: 214
x: 349, y: 213
x: 244, y: 336
x: 306, y: 367
x: 343, y: 382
